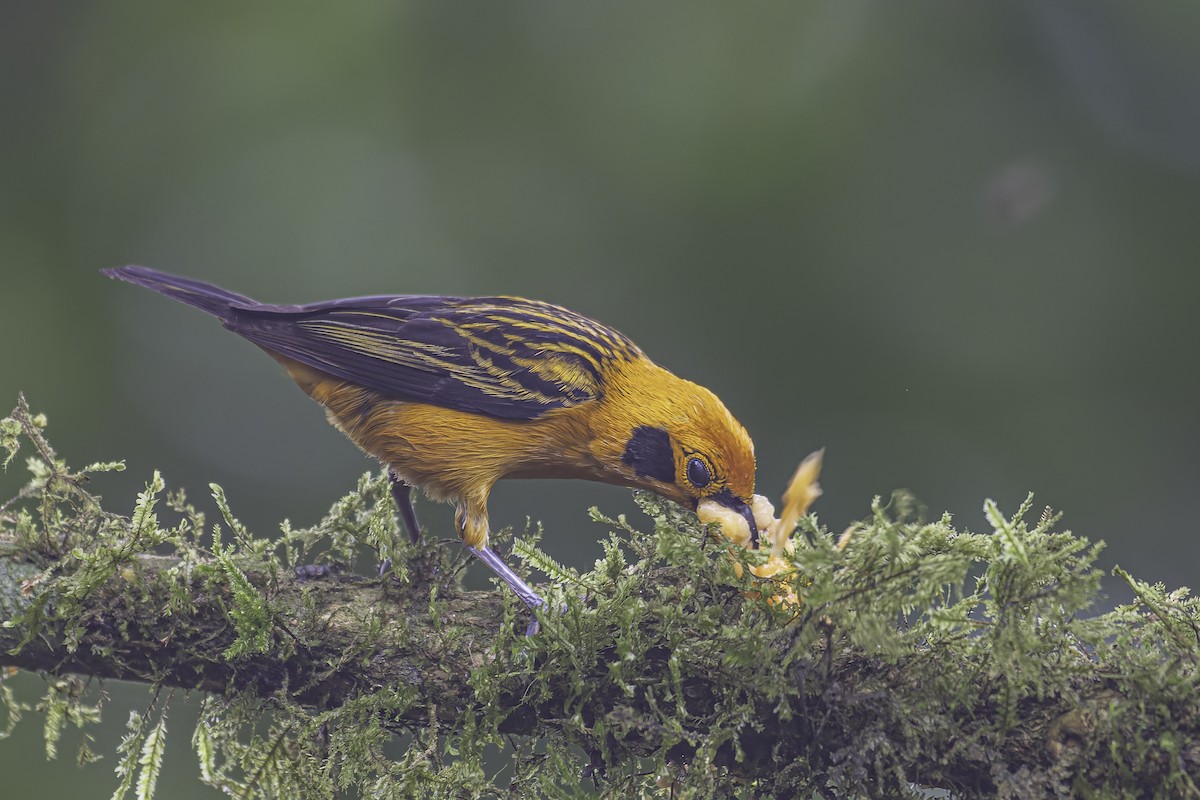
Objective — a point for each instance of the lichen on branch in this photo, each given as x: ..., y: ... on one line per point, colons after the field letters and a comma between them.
x: 918, y: 654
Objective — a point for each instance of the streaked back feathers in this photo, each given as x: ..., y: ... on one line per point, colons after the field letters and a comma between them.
x: 505, y: 357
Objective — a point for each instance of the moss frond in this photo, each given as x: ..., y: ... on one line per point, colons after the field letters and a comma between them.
x: 920, y: 654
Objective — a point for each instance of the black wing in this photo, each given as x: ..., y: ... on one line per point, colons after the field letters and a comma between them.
x: 500, y: 356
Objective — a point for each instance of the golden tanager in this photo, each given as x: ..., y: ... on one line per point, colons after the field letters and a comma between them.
x: 453, y: 393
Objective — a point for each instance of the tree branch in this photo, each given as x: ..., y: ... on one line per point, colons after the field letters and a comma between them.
x: 319, y: 625
x: 657, y: 661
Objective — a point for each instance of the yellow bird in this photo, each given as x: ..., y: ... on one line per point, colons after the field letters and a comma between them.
x: 453, y: 394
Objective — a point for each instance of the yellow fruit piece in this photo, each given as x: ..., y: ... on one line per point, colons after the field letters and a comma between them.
x: 801, y: 492
x: 763, y: 511
x: 733, y: 525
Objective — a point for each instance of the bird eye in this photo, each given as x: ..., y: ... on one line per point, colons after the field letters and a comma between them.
x: 697, y: 473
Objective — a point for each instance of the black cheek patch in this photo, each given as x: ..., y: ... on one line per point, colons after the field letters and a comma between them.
x: 648, y: 451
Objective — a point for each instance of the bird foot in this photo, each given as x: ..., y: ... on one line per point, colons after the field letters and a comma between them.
x: 514, y: 581
x: 534, y: 626
x: 312, y: 571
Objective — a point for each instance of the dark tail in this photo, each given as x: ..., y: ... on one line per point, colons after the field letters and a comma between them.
x: 204, y: 296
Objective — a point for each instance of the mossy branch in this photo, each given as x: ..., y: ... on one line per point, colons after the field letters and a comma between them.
x: 919, y: 655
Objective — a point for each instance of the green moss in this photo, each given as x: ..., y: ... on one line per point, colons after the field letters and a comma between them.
x: 919, y: 654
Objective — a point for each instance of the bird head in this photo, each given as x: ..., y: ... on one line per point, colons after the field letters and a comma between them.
x: 678, y: 440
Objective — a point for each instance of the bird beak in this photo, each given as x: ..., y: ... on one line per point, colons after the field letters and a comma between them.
x: 742, y: 508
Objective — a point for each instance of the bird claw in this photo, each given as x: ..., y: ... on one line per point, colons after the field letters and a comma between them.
x: 514, y: 581
x: 313, y: 571
x: 534, y: 626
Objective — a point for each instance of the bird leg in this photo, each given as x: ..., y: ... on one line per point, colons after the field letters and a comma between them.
x: 473, y: 529
x: 496, y: 564
x: 523, y: 590
x: 402, y: 494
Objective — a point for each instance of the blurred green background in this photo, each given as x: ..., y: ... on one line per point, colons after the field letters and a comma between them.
x: 955, y: 244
